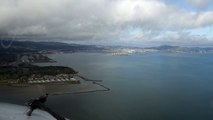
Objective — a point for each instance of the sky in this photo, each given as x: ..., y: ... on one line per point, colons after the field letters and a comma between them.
x: 110, y: 22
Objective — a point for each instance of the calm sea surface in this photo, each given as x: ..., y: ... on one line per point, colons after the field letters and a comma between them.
x: 151, y: 86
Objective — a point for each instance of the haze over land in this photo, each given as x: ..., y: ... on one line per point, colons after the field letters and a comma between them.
x: 111, y: 22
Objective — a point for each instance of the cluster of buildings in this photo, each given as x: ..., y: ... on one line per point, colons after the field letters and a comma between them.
x: 127, y: 51
x: 38, y: 79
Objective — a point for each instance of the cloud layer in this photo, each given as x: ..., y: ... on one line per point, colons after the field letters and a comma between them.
x: 129, y: 21
x: 200, y: 3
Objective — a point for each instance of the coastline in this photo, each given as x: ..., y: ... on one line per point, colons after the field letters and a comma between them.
x: 53, y: 88
x: 45, y: 78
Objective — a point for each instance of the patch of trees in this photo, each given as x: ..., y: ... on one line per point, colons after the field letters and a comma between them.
x: 24, y: 72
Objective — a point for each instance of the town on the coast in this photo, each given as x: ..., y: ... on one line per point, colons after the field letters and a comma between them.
x: 17, y: 61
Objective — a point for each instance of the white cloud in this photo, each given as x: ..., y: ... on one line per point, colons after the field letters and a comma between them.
x: 199, y: 3
x: 99, y: 19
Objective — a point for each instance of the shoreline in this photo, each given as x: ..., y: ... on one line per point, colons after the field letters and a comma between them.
x: 55, y: 88
x: 87, y: 79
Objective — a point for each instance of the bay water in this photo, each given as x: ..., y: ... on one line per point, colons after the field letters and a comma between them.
x: 149, y: 86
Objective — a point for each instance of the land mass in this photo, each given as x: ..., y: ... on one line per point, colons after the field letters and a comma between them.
x: 29, y: 47
x: 31, y: 74
x: 16, y: 61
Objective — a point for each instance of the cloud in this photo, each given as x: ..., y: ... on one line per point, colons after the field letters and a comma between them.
x: 108, y: 20
x: 200, y: 3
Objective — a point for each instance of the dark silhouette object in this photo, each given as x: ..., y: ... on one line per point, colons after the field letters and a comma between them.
x: 38, y: 103
x: 35, y: 103
x: 43, y: 98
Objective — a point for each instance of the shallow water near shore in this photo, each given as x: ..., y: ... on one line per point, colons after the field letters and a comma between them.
x: 151, y: 86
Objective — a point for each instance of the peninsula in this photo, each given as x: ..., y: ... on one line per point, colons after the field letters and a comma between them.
x: 17, y: 60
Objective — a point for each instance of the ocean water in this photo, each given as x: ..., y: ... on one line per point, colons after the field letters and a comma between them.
x: 150, y: 86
